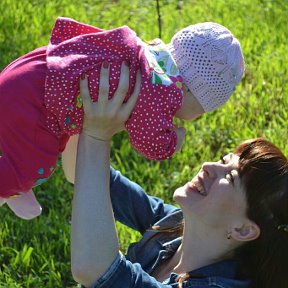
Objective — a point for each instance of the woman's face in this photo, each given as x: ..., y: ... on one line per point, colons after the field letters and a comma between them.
x: 215, y: 195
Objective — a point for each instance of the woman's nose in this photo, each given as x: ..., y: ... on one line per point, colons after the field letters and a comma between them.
x: 212, y: 168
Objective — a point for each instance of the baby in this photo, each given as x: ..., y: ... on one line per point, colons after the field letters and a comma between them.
x: 40, y: 106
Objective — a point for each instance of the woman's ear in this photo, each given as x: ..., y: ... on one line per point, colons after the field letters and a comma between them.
x: 246, y: 232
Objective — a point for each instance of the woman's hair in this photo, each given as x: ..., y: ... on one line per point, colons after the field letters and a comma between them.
x: 264, y: 171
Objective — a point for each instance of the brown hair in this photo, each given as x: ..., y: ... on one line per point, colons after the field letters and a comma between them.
x: 264, y: 172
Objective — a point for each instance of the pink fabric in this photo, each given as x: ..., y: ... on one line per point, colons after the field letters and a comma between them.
x: 40, y: 108
x: 30, y: 150
x: 76, y: 48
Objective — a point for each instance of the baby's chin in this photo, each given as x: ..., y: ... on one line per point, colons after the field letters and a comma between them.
x: 182, y: 114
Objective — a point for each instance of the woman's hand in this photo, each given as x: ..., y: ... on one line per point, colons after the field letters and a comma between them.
x: 104, y: 118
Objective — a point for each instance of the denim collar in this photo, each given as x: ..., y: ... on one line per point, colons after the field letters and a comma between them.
x: 224, y: 268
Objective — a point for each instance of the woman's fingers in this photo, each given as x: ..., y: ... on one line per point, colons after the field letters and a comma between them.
x: 130, y: 104
x: 112, y: 113
x: 84, y: 91
x: 123, y: 86
x: 104, y: 83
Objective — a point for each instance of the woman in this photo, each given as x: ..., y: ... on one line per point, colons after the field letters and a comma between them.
x: 234, y: 214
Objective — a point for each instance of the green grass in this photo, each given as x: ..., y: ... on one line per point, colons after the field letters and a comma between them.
x: 37, y: 253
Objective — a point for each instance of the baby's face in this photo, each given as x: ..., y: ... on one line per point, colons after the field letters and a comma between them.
x: 191, y: 108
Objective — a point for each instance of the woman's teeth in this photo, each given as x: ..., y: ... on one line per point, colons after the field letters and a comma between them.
x: 200, y: 189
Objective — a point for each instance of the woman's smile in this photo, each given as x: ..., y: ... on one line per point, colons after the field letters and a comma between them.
x: 197, y: 185
x: 212, y: 190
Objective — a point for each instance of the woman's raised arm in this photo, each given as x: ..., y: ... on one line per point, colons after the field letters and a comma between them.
x: 94, y: 242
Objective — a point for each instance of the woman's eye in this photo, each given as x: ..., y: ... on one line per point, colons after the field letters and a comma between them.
x: 222, y: 159
x: 229, y: 177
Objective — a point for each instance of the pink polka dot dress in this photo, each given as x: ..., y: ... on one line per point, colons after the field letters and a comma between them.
x: 40, y: 105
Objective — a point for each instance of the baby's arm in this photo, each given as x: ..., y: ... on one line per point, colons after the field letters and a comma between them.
x: 180, y: 132
x: 69, y: 158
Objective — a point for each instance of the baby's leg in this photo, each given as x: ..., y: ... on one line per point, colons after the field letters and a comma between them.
x: 30, y: 149
x: 69, y: 156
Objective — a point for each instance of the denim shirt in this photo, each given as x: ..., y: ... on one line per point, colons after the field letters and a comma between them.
x: 134, y: 208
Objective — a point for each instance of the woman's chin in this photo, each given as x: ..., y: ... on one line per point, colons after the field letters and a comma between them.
x: 186, y: 197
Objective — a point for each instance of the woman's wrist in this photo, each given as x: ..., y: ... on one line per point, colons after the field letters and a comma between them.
x: 99, y: 138
x: 97, y: 133
x: 95, y: 144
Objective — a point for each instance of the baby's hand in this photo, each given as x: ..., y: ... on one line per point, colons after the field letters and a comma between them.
x: 181, y: 132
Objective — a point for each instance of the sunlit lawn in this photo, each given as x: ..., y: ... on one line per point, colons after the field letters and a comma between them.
x: 37, y: 253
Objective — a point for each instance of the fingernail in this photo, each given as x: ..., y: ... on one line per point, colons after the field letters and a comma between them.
x: 83, y: 76
x: 105, y: 64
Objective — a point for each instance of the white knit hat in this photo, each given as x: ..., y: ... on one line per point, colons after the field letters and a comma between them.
x: 210, y: 61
